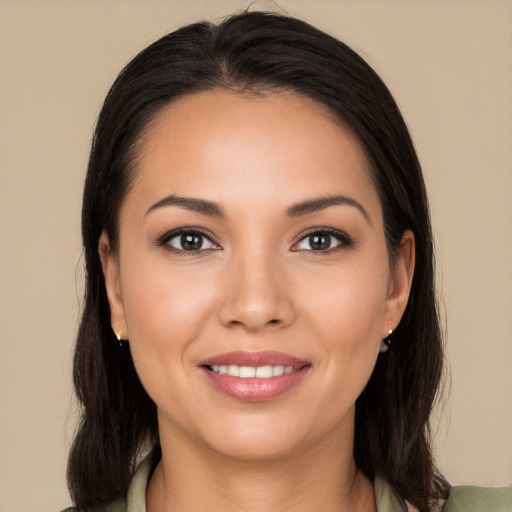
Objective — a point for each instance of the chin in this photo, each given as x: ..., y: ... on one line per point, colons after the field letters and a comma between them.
x: 257, y: 448
x: 263, y: 437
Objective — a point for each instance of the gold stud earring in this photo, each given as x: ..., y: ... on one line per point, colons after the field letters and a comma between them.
x: 118, y: 335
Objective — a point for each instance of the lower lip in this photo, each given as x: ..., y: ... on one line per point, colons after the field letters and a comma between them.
x: 253, y: 389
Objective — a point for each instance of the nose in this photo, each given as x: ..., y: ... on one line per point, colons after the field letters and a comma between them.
x: 257, y: 296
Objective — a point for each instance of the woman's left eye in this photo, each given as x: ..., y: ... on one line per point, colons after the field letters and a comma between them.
x: 187, y: 241
x: 323, y: 241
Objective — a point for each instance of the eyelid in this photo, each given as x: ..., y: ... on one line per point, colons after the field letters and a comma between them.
x: 164, y: 239
x: 346, y: 241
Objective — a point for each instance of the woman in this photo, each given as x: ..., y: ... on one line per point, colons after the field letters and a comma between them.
x: 260, y: 313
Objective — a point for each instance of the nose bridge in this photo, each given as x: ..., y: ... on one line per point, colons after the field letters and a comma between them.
x: 256, y: 295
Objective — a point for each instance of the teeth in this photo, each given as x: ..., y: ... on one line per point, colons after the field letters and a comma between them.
x: 264, y: 372
x: 248, y: 372
x: 234, y: 370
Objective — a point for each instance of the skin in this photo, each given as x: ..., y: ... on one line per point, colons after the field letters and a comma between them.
x: 257, y: 285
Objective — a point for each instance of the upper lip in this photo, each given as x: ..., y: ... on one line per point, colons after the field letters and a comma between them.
x: 255, y: 359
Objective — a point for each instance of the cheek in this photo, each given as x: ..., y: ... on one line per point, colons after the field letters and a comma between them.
x: 166, y: 309
x: 349, y: 304
x: 346, y: 311
x: 158, y: 294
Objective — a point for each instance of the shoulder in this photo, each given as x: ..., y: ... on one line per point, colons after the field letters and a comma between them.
x: 467, y: 498
x: 135, y: 500
x: 116, y: 506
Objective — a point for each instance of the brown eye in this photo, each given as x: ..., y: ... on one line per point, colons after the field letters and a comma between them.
x: 323, y: 241
x: 319, y: 242
x: 187, y: 241
x: 191, y: 242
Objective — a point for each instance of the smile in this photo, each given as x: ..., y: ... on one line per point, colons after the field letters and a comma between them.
x: 249, y: 372
x: 254, y: 376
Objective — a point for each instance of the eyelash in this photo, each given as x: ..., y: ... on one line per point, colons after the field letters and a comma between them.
x: 164, y: 240
x: 345, y: 241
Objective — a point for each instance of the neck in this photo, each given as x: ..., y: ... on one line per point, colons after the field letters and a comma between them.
x: 320, y: 477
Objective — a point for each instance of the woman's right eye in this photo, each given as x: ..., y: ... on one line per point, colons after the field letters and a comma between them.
x: 187, y: 241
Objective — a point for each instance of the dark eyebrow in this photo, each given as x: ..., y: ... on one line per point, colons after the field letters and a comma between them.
x: 189, y: 203
x: 321, y: 203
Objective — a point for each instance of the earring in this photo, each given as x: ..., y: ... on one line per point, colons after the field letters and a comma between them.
x: 118, y: 337
x: 385, y: 344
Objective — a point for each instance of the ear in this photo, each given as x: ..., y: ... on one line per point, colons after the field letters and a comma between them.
x: 400, y: 282
x: 110, y: 265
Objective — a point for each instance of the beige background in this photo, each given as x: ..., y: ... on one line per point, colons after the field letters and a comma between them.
x: 449, y: 65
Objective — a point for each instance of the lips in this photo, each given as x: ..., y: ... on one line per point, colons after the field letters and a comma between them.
x: 254, y: 376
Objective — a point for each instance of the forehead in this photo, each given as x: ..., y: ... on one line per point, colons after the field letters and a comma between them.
x: 224, y: 146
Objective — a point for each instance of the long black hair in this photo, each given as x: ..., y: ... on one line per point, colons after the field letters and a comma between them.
x: 254, y: 52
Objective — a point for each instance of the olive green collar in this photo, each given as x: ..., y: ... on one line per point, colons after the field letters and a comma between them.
x: 387, y: 500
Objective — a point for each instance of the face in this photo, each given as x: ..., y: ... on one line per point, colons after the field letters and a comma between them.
x: 252, y: 278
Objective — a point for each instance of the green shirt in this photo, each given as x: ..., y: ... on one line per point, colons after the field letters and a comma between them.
x: 462, y: 499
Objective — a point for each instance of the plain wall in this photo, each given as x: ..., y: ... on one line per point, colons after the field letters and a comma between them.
x: 448, y: 64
